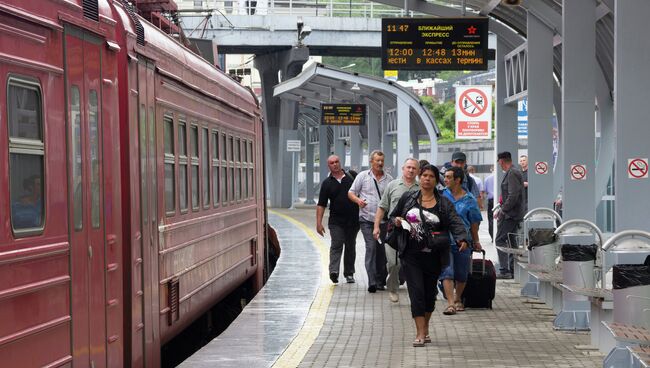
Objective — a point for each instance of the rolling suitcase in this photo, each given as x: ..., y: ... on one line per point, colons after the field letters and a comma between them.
x: 481, y: 284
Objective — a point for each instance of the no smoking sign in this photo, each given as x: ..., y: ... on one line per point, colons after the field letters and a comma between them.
x: 541, y: 167
x: 578, y: 172
x: 637, y: 168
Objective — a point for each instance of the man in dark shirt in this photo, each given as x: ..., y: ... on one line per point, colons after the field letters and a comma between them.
x: 343, y: 219
x: 511, y: 213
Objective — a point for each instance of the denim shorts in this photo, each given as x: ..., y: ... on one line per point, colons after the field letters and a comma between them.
x: 459, y: 262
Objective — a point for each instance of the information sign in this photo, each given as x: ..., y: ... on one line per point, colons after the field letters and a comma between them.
x: 434, y: 43
x: 343, y: 114
x: 293, y: 145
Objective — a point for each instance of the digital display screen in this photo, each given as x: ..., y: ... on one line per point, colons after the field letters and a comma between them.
x: 343, y: 114
x: 434, y: 43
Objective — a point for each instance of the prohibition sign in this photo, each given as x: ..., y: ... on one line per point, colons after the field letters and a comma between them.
x: 578, y: 172
x: 473, y: 102
x: 637, y: 168
x: 541, y: 167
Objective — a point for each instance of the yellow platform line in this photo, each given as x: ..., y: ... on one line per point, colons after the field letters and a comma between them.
x: 295, y: 352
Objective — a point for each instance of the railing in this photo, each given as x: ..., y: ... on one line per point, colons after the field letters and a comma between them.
x: 308, y: 8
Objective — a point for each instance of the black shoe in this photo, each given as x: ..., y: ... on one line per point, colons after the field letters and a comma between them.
x: 372, y: 289
x: 334, y: 277
x: 381, y: 287
x: 349, y: 279
x: 504, y: 276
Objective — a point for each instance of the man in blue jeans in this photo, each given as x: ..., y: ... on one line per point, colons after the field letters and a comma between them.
x: 454, y: 276
x: 343, y: 220
x: 366, y: 192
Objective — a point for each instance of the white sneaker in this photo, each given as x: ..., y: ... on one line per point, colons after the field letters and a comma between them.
x: 394, y: 297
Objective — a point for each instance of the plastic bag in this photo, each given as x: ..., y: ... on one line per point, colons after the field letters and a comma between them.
x: 629, y: 275
x: 539, y: 237
x: 579, y: 253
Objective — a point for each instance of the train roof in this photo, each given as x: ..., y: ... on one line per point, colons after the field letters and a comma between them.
x: 178, y: 62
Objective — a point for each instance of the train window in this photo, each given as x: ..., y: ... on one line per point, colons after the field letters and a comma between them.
x: 93, y: 120
x: 237, y: 150
x: 250, y: 169
x: 194, y: 148
x: 205, y: 167
x: 231, y: 145
x: 170, y: 200
x: 142, y: 143
x: 182, y: 166
x: 215, y: 168
x: 26, y: 156
x: 237, y: 162
x: 224, y: 183
x: 77, y: 167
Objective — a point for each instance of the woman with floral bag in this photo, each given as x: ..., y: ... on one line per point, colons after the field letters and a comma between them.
x: 423, y: 220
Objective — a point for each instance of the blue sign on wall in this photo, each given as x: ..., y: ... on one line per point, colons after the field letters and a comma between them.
x: 522, y: 118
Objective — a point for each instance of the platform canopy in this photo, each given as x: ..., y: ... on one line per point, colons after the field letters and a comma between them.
x: 323, y: 84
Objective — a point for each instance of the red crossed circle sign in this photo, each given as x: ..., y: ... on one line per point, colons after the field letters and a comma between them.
x: 578, y: 172
x: 541, y: 167
x: 638, y: 168
x: 473, y: 102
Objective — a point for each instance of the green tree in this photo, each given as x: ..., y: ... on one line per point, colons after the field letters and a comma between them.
x: 444, y: 115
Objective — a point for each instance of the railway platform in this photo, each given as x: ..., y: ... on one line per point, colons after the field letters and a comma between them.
x: 300, y: 319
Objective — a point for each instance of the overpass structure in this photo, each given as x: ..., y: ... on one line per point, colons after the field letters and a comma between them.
x: 574, y: 60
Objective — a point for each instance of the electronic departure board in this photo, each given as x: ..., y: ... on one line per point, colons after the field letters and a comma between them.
x: 343, y: 114
x: 434, y: 43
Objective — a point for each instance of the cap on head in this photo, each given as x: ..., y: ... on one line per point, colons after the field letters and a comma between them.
x: 458, y: 156
x: 505, y: 155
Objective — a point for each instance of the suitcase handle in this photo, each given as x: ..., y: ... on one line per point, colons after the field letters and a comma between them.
x: 481, y: 251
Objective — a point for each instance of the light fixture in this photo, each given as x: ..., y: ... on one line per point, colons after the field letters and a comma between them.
x: 355, y: 87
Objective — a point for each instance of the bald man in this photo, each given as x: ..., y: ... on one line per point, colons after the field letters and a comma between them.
x: 343, y: 220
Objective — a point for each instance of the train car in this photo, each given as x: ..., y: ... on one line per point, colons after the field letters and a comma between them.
x: 131, y: 186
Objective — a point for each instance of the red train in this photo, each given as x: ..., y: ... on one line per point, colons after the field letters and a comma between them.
x: 131, y: 192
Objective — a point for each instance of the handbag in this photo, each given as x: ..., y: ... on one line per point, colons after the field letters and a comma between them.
x: 391, y: 235
x: 432, y: 239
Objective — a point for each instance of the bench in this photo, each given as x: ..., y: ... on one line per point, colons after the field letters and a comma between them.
x: 515, y: 251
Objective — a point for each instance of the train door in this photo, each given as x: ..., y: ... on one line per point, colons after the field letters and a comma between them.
x: 83, y: 60
x: 149, y: 208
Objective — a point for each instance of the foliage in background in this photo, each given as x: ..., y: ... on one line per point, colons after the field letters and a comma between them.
x: 444, y: 115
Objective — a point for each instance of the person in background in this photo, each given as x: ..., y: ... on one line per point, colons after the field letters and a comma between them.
x: 425, y: 252
x: 454, y: 276
x: 458, y: 159
x: 511, y: 213
x: 488, y: 193
x: 471, y: 170
x: 389, y: 200
x: 366, y: 192
x: 343, y: 220
x: 523, y: 163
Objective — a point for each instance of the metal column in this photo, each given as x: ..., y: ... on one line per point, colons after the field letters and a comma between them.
x: 403, y: 132
x: 309, y: 170
x: 506, y: 116
x: 578, y: 97
x: 339, y: 145
x: 323, y: 152
x: 374, y: 128
x: 631, y: 81
x: 355, y: 149
x: 540, y: 113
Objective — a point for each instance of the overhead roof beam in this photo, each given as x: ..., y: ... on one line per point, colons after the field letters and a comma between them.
x: 488, y: 7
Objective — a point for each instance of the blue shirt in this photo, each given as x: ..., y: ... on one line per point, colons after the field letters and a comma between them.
x: 467, y: 209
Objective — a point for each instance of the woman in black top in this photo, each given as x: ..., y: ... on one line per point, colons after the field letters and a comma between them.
x: 425, y: 249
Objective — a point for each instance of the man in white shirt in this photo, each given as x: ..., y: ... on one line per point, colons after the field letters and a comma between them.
x: 366, y: 192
